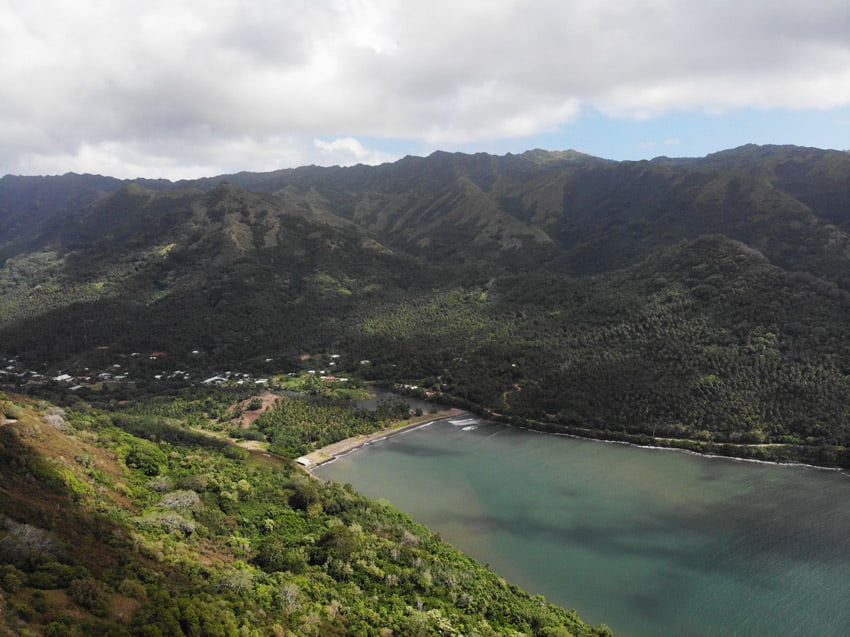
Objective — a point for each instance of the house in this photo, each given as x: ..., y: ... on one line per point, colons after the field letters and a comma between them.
x: 304, y: 461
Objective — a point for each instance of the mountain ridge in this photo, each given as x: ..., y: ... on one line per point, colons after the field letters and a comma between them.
x: 472, y: 275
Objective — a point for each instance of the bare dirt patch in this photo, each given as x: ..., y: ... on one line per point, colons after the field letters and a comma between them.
x: 247, y: 419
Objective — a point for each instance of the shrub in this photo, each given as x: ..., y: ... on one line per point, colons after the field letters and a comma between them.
x: 181, y: 501
x: 90, y: 594
x: 11, y: 578
x: 132, y: 588
x: 148, y: 459
x: 171, y: 522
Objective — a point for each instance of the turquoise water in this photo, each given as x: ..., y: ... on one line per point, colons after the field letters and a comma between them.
x: 653, y: 543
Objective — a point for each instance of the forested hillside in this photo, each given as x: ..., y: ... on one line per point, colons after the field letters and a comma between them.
x: 689, y: 302
x: 124, y: 522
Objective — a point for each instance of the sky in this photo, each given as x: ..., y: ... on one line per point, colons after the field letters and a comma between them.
x: 191, y: 88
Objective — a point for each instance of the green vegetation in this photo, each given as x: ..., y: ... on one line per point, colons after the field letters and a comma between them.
x: 694, y: 303
x: 297, y: 426
x: 195, y: 405
x: 340, y: 390
x: 724, y: 353
x: 177, y: 533
x: 700, y: 304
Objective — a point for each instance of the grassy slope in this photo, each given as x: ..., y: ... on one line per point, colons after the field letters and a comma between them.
x: 169, y: 532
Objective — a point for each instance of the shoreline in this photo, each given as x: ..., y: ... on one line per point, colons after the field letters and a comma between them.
x: 701, y: 454
x: 331, y: 452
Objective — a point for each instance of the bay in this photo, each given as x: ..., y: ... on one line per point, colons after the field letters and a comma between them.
x: 649, y: 542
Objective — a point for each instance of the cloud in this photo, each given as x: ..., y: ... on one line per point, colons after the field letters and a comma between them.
x: 223, y: 85
x: 346, y: 151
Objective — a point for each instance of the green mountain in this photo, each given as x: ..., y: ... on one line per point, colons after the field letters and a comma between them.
x: 685, y: 302
x: 791, y: 203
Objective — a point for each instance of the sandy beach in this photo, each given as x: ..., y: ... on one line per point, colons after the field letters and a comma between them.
x: 332, y: 451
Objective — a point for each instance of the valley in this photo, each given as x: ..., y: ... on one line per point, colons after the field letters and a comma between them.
x: 696, y: 303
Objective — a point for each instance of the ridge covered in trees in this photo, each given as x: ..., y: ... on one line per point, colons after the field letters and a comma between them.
x: 699, y: 303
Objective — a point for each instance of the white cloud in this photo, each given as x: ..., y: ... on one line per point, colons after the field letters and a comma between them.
x: 347, y: 151
x: 221, y: 85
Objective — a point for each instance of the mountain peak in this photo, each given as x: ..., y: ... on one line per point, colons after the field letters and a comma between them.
x: 541, y: 156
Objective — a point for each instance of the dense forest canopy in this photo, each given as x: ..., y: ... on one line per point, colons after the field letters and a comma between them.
x: 686, y: 302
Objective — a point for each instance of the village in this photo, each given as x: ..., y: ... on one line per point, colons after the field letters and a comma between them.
x: 147, y: 371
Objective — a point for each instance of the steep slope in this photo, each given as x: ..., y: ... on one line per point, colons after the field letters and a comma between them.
x: 119, y: 523
x: 440, y: 207
x: 585, y: 214
x: 703, y: 342
x: 30, y: 204
x: 588, y: 214
x: 615, y: 216
x: 185, y: 270
x: 817, y: 177
x: 685, y: 299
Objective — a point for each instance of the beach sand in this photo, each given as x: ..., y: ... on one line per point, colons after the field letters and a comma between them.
x: 332, y: 451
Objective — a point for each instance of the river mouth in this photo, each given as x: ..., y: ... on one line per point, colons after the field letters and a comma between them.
x: 648, y: 542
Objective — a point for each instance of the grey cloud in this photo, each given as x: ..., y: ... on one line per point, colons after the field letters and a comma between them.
x: 218, y: 75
